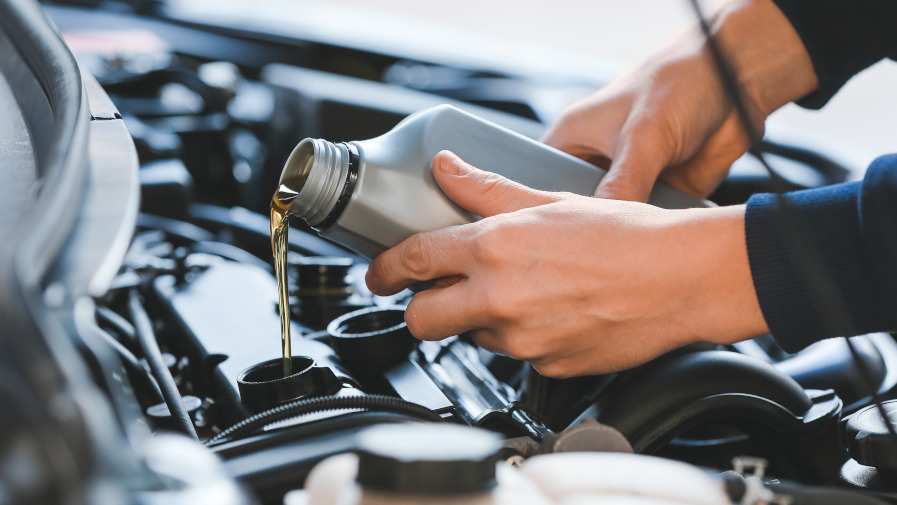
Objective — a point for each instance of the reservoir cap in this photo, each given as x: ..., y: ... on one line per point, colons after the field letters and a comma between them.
x: 868, y: 440
x: 434, y: 459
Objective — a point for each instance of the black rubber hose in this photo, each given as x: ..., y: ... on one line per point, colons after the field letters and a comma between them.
x: 153, y: 356
x: 252, y: 424
x: 121, y: 325
x: 133, y: 365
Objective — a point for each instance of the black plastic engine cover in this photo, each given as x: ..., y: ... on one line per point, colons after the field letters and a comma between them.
x: 229, y: 313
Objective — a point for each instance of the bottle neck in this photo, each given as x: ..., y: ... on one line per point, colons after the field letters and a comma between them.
x: 323, y: 174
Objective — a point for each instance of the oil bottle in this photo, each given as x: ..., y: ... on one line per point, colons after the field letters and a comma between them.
x: 372, y: 194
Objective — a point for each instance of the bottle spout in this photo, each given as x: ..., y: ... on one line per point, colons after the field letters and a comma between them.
x: 283, y: 198
x: 297, y: 169
x: 313, y: 178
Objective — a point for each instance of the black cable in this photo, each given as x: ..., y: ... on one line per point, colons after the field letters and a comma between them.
x: 822, y: 290
x: 831, y: 171
x: 298, y: 408
x: 187, y: 232
x: 147, y: 339
x: 230, y: 252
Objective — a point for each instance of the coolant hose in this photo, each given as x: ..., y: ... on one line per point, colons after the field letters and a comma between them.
x: 298, y: 408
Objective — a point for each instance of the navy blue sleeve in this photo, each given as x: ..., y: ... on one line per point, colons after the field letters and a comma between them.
x: 842, y: 38
x: 852, y: 228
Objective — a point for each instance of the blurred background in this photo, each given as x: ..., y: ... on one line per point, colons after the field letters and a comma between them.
x: 585, y: 38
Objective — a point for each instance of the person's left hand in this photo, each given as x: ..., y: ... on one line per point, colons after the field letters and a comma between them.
x: 576, y: 285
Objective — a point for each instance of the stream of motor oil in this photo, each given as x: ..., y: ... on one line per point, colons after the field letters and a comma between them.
x: 280, y: 228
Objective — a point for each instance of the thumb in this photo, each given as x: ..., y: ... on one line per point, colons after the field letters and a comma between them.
x: 481, y: 192
x: 632, y: 174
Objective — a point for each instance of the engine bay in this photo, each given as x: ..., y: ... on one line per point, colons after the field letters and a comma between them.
x: 214, y: 111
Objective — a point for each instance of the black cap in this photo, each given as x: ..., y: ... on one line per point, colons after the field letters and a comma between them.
x: 322, y: 276
x: 263, y: 386
x: 868, y: 440
x: 371, y: 338
x: 434, y: 459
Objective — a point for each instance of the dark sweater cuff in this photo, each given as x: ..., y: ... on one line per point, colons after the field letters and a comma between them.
x: 842, y: 38
x: 829, y: 224
x: 878, y: 223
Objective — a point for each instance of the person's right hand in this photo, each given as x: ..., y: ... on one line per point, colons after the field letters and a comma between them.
x: 670, y: 118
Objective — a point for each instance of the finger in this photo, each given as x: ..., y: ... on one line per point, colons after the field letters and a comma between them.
x: 488, y: 340
x: 481, y: 192
x: 421, y: 257
x: 591, y: 156
x: 587, y: 154
x: 510, y: 344
x: 586, y: 149
x: 447, y: 281
x: 639, y: 160
x: 435, y: 314
x: 557, y: 369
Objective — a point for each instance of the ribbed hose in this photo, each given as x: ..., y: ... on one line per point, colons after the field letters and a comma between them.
x: 298, y: 408
x: 153, y: 356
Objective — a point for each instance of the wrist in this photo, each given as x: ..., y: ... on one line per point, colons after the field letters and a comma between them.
x: 721, y: 300
x: 766, y: 53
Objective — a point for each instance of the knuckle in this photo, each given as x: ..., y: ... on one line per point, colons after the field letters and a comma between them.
x: 494, y: 186
x: 498, y: 305
x: 490, y: 246
x: 417, y: 256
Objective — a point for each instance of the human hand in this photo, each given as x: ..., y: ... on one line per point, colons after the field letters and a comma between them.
x: 575, y: 285
x: 671, y: 119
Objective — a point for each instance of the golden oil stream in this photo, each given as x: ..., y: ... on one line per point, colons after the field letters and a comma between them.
x: 280, y: 228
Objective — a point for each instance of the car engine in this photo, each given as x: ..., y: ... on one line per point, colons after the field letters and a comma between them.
x: 151, y: 287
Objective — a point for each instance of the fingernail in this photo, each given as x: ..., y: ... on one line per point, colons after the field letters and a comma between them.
x: 451, y: 164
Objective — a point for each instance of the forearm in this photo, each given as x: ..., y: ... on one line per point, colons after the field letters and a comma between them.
x: 720, y: 302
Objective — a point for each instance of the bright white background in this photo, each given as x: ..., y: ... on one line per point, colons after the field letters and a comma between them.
x: 857, y: 125
x: 589, y: 37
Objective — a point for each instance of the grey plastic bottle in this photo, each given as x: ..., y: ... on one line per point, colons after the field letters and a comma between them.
x: 372, y: 194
